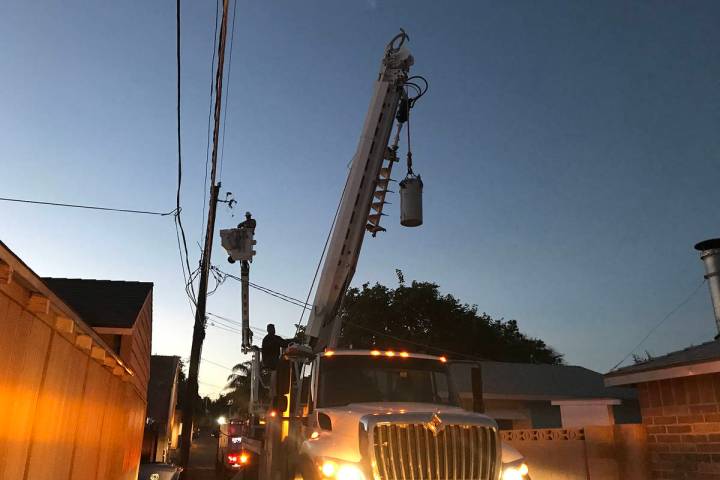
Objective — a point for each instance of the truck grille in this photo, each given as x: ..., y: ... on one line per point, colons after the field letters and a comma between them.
x: 414, y: 452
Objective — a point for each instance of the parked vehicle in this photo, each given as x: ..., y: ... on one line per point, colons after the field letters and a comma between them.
x: 159, y: 471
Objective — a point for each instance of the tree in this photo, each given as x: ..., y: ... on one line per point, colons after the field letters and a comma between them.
x: 421, y: 319
x: 238, y: 386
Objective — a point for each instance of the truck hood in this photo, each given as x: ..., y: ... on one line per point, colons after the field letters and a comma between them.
x: 396, y: 407
x: 342, y: 442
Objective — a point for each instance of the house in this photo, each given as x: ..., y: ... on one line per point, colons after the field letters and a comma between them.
x: 531, y: 396
x: 679, y: 396
x: 120, y: 312
x: 162, y: 425
x: 72, y: 400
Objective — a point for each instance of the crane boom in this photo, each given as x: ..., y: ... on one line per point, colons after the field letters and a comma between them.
x: 365, y: 181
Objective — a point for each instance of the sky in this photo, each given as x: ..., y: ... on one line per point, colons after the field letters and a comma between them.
x: 569, y: 152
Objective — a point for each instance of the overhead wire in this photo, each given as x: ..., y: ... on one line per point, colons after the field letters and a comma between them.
x: 89, y: 207
x: 215, y: 363
x: 268, y: 291
x: 658, y: 324
x: 210, y: 112
x: 212, y: 325
x: 179, y: 230
x: 227, y: 93
x: 322, y: 255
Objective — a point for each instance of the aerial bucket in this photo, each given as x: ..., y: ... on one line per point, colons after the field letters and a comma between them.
x: 411, y: 201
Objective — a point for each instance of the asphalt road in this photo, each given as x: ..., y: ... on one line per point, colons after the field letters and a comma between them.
x: 202, y: 459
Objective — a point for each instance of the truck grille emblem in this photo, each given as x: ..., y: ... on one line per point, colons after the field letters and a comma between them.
x: 435, y: 424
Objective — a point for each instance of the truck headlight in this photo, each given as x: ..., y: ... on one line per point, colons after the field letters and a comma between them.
x: 515, y: 471
x: 339, y: 470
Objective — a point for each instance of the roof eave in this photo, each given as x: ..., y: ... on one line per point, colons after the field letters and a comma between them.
x: 664, y: 373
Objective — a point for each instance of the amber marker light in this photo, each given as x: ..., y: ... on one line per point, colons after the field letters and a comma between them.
x: 375, y: 353
x: 443, y: 359
x: 390, y: 353
x: 404, y: 354
x: 329, y: 353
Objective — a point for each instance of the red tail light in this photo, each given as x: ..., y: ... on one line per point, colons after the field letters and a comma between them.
x: 238, y: 458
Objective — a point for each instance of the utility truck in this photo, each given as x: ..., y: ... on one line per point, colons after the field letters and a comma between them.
x: 353, y: 414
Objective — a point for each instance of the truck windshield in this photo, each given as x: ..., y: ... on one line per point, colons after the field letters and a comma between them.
x: 346, y: 379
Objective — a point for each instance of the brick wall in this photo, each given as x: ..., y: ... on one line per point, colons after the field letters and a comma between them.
x: 682, y: 417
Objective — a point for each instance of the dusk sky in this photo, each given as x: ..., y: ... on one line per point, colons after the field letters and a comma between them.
x: 569, y: 150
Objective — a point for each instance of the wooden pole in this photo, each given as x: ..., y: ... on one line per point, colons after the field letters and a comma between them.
x: 191, y: 391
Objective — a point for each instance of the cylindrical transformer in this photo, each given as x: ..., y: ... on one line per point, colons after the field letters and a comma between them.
x: 710, y: 255
x: 411, y: 214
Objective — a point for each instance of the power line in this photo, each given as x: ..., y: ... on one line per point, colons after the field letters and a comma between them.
x: 227, y: 93
x: 215, y: 363
x: 231, y: 327
x: 212, y: 324
x: 322, y: 255
x: 235, y: 322
x: 179, y: 230
x: 88, y: 207
x: 274, y: 293
x: 210, y: 111
x: 657, y: 325
x: 212, y: 385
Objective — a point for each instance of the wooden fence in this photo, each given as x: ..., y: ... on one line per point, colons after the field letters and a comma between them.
x: 68, y: 410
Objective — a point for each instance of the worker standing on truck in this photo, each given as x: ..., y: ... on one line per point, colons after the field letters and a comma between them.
x: 271, y: 346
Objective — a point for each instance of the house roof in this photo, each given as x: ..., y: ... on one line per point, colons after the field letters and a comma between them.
x: 674, y: 364
x: 526, y: 381
x: 102, y: 303
x: 163, y: 371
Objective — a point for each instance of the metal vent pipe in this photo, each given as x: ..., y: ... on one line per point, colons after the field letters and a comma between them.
x: 710, y: 255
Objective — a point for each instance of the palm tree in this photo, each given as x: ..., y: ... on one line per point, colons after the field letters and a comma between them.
x: 238, y: 385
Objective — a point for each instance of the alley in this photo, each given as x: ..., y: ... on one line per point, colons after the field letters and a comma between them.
x: 202, y: 459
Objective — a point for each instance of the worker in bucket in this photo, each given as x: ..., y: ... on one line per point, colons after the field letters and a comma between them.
x: 249, y: 223
x: 271, y: 348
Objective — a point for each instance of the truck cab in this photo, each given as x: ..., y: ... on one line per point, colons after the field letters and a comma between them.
x: 386, y: 415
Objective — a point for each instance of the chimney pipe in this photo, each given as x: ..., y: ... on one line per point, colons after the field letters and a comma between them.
x: 710, y: 255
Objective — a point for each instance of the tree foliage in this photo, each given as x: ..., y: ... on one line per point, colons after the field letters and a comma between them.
x: 421, y: 319
x: 238, y: 386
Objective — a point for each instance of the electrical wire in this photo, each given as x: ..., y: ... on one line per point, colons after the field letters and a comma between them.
x: 322, y: 254
x: 212, y: 325
x: 89, y: 207
x: 235, y: 322
x: 179, y: 230
x: 210, y: 111
x: 216, y: 364
x: 268, y: 291
x: 227, y: 93
x: 212, y: 385
x: 657, y: 325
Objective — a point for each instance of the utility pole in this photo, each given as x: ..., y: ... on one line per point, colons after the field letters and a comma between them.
x: 200, y: 317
